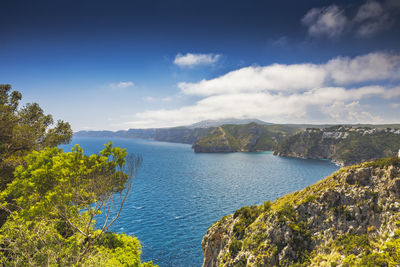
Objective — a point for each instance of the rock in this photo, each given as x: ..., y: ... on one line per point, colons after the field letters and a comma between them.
x: 287, y: 253
x: 395, y: 187
x: 354, y: 203
x: 344, y: 146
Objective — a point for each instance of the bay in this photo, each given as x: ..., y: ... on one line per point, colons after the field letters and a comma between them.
x: 178, y: 194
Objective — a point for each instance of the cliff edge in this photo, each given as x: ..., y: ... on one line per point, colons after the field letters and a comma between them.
x: 344, y: 145
x: 349, y: 218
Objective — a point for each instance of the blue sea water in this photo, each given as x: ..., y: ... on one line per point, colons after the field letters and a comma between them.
x: 178, y: 194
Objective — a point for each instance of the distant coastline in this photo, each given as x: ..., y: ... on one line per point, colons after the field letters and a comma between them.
x: 343, y: 145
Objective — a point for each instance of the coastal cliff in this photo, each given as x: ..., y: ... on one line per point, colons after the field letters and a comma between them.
x: 182, y: 134
x: 341, y: 144
x: 349, y: 218
x: 250, y: 137
x: 344, y: 145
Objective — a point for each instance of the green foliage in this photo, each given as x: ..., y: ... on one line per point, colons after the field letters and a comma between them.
x: 246, y: 215
x: 37, y: 243
x: 23, y: 130
x: 384, y: 162
x: 245, y: 137
x: 220, y: 140
x: 234, y: 247
x: 352, y: 244
x: 361, y: 251
x: 309, y: 198
x: 53, y: 199
x: 59, y: 196
x: 117, y: 250
x: 267, y: 205
x: 51, y: 178
x: 241, y: 263
x: 286, y: 212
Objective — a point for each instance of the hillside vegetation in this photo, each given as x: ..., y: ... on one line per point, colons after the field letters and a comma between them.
x: 56, y: 207
x: 344, y: 145
x: 351, y: 218
x: 247, y: 138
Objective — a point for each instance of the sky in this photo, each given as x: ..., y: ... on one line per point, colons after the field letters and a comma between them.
x: 114, y: 65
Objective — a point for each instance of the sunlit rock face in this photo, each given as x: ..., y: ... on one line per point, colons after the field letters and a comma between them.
x: 350, y: 217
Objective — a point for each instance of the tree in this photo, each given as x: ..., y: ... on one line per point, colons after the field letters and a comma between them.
x: 23, y: 130
x: 64, y: 205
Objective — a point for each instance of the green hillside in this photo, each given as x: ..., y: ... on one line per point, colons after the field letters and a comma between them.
x: 247, y: 138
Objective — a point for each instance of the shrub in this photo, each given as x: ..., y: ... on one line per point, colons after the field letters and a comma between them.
x: 246, y: 215
x: 267, y: 205
x: 234, y: 247
x: 309, y: 198
x: 286, y: 212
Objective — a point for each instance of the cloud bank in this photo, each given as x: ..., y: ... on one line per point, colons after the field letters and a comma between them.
x: 333, y: 92
x: 191, y: 60
x: 297, y: 77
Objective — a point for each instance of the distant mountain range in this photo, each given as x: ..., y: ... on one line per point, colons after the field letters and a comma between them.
x: 189, y: 134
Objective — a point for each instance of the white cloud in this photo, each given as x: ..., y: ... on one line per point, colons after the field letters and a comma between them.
x: 190, y: 60
x: 296, y: 77
x: 370, y: 67
x: 370, y: 18
x: 334, y: 92
x: 351, y: 112
x: 122, y: 85
x: 275, y: 77
x: 329, y: 21
x: 332, y: 105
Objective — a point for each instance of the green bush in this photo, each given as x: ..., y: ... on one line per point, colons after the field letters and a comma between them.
x: 352, y: 244
x: 234, y: 247
x: 309, y: 198
x: 384, y: 162
x: 246, y: 215
x: 267, y: 205
x: 286, y: 212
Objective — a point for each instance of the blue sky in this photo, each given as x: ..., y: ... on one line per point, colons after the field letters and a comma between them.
x: 139, y: 64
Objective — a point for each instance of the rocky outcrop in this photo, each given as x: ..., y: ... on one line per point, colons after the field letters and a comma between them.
x: 340, y: 144
x: 350, y: 218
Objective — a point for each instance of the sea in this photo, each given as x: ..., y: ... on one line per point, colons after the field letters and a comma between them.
x: 178, y: 194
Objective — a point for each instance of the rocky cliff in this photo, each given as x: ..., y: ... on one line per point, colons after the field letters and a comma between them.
x: 351, y: 218
x: 341, y: 144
